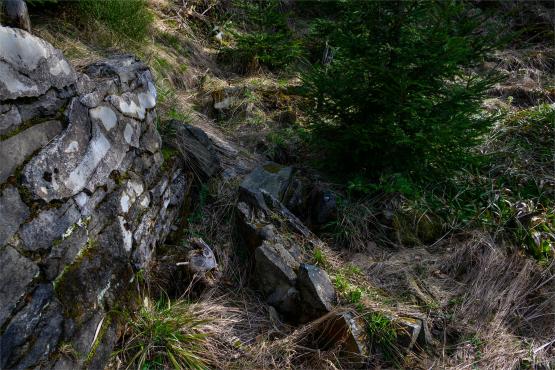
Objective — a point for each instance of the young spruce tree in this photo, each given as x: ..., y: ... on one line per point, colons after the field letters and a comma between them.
x: 398, y: 95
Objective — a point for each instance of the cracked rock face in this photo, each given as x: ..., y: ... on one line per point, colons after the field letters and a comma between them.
x: 84, y: 199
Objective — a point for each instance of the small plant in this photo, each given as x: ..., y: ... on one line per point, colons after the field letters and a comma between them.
x: 319, y: 257
x: 165, y: 334
x: 346, y: 288
x: 382, y: 334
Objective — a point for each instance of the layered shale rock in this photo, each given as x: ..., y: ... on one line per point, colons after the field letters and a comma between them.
x: 85, y: 197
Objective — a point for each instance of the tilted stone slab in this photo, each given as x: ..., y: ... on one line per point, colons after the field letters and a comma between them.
x: 12, y: 213
x: 49, y: 225
x: 15, y: 150
x: 16, y: 273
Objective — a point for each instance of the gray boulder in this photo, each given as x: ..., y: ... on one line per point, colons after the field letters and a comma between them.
x: 299, y: 291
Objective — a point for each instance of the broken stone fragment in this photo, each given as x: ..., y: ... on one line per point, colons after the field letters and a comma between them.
x: 271, y: 178
x: 12, y: 213
x: 151, y: 140
x: 347, y: 330
x: 9, y: 120
x: 46, y: 105
x: 195, y: 147
x: 275, y: 276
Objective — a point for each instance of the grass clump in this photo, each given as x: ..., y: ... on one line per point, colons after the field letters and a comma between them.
x: 130, y: 18
x: 381, y: 332
x: 167, y: 334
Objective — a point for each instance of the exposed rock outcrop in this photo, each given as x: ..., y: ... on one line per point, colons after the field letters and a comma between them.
x: 300, y: 291
x: 85, y: 197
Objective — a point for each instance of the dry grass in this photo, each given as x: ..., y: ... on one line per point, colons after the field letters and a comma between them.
x: 506, y: 302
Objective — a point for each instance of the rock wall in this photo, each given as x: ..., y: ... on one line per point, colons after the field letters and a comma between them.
x: 85, y: 196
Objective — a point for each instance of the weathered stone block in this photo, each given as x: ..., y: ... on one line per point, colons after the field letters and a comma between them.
x: 317, y: 291
x: 9, y: 120
x: 12, y: 213
x: 15, y: 150
x: 42, y: 315
x: 29, y: 66
x: 16, y: 273
x: 48, y: 226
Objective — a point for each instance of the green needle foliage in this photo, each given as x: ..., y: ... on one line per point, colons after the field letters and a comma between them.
x: 270, y: 42
x: 397, y: 96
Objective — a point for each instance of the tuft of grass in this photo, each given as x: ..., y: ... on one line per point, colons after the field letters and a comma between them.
x: 319, y: 257
x: 166, y: 334
x: 381, y: 332
x: 130, y: 18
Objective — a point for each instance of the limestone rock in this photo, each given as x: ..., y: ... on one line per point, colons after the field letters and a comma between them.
x: 15, y: 150
x: 43, y: 315
x: 47, y: 105
x: 87, y: 202
x: 29, y: 66
x: 12, y: 213
x: 48, y: 226
x: 276, y: 277
x: 9, y: 120
x: 16, y: 274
